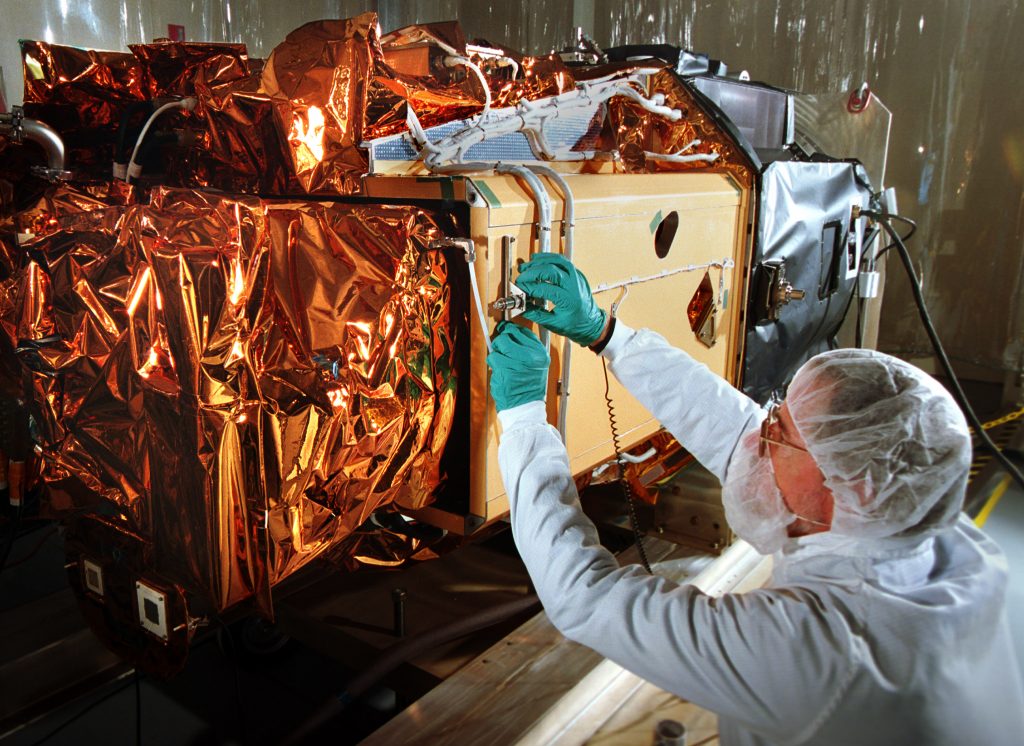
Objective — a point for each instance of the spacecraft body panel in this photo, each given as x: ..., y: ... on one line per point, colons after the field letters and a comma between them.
x: 618, y: 223
x: 259, y: 341
x: 810, y: 231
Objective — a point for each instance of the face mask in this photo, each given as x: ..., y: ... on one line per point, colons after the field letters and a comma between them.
x: 753, y: 503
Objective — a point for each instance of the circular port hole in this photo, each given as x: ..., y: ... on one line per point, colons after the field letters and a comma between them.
x: 666, y: 234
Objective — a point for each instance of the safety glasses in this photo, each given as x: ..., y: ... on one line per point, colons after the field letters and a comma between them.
x: 767, y: 437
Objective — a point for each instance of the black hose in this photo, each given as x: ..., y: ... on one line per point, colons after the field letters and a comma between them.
x: 403, y: 651
x: 940, y: 353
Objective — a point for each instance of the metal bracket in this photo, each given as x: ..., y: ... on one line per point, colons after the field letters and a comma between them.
x: 11, y: 124
x: 772, y: 291
x: 783, y: 293
x: 513, y: 301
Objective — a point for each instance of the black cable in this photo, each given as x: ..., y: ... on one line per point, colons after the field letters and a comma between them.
x: 892, y: 244
x: 940, y: 352
x: 83, y: 712
x: 627, y: 491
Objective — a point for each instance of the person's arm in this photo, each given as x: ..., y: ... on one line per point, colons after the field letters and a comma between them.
x: 701, y: 410
x: 763, y: 659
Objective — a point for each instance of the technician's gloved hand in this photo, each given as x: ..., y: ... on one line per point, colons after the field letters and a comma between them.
x: 575, y: 315
x: 519, y: 366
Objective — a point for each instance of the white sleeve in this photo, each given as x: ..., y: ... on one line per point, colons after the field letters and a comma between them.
x: 701, y: 410
x: 763, y: 659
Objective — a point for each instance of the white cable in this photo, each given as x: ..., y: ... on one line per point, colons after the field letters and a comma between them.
x: 489, y: 53
x: 513, y: 64
x: 417, y: 133
x: 530, y: 116
x: 543, y: 201
x: 650, y: 104
x: 186, y: 104
x: 479, y: 303
x: 639, y: 459
x: 722, y: 264
x: 540, y: 195
x: 452, y: 60
x: 619, y: 73
x: 696, y: 157
x: 569, y: 205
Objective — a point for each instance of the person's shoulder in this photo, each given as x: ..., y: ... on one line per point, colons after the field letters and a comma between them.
x: 966, y: 552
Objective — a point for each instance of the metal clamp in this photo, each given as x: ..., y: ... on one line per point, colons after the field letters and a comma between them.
x: 771, y: 290
x: 11, y: 124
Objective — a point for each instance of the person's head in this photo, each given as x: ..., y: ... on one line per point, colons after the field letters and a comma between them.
x: 891, y: 442
x: 865, y: 445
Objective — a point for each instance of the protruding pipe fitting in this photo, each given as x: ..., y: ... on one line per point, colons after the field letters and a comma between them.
x: 18, y: 128
x: 48, y: 139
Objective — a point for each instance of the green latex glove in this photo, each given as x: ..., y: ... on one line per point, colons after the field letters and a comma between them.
x: 575, y: 315
x: 519, y: 366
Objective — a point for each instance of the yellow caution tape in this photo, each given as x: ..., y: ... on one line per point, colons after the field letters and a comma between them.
x: 990, y: 504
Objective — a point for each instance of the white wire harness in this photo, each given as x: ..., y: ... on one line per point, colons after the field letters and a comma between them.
x: 133, y: 170
x: 624, y: 284
x: 453, y: 59
x: 529, y: 117
x: 446, y: 156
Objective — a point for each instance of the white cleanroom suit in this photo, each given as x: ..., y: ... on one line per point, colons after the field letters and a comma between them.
x: 881, y: 639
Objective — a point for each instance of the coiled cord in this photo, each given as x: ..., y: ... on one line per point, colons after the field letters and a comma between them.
x: 627, y: 491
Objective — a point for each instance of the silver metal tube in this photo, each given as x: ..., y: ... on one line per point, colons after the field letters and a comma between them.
x: 540, y: 194
x: 569, y: 222
x: 47, y: 137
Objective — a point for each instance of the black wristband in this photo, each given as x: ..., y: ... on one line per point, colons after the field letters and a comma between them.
x: 598, y: 346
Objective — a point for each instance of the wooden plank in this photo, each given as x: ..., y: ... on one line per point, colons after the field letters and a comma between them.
x: 531, y: 687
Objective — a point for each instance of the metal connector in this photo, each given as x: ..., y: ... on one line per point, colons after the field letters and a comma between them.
x: 515, y: 302
x: 18, y: 128
x: 466, y: 244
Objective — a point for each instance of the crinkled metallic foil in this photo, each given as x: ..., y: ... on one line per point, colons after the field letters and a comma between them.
x: 638, y: 131
x: 450, y: 93
x: 243, y: 381
x: 171, y: 66
x: 179, y: 356
x: 82, y: 94
x: 317, y: 81
x: 238, y: 146
x: 96, y: 84
x: 382, y: 547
